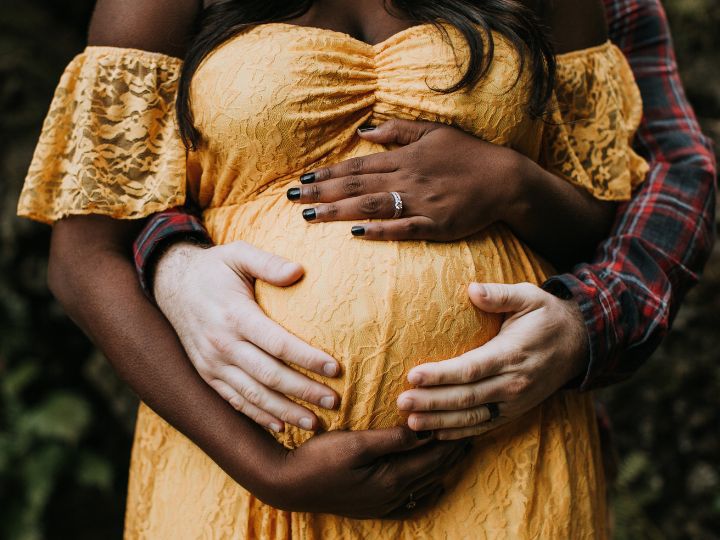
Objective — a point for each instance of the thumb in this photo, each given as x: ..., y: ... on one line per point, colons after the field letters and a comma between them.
x: 376, y: 443
x: 504, y: 298
x: 251, y: 261
x: 397, y: 131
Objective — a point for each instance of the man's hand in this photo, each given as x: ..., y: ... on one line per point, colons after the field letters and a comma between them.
x: 365, y: 474
x: 541, y: 347
x: 208, y: 296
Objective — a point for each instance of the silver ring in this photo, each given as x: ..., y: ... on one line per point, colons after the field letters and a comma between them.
x: 398, y: 204
x: 411, y: 503
x: 493, y: 409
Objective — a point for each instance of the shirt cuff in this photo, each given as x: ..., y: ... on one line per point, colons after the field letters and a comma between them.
x: 161, y: 231
x: 598, y: 315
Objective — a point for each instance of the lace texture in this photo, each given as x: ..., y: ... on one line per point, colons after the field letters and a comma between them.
x: 109, y: 144
x: 596, y: 111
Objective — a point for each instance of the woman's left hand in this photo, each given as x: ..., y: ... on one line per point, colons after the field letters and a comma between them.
x: 451, y: 184
x: 541, y: 347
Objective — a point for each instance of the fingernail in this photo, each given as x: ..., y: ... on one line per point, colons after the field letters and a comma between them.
x: 309, y: 214
x: 357, y: 230
x: 481, y: 290
x: 330, y: 369
x: 405, y: 404
x: 365, y: 129
x: 423, y: 435
x: 293, y: 194
x: 275, y: 427
x: 307, y: 178
x: 415, y: 378
x: 306, y: 423
x: 328, y: 402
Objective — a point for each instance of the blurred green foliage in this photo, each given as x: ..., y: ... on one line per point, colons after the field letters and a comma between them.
x: 66, y: 421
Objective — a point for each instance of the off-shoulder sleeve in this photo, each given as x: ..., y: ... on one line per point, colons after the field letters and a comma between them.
x: 109, y: 144
x: 596, y: 110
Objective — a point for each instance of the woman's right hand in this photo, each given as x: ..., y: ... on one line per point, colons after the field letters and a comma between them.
x: 363, y: 474
x: 208, y: 297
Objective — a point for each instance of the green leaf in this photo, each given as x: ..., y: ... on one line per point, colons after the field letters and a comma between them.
x: 63, y: 416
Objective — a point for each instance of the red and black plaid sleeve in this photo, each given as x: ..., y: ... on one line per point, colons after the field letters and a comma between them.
x: 662, y: 238
x: 161, y: 230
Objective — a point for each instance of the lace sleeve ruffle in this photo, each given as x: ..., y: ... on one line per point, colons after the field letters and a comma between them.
x: 596, y: 111
x: 109, y: 144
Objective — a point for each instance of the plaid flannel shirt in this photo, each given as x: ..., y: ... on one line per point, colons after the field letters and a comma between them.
x: 661, y: 239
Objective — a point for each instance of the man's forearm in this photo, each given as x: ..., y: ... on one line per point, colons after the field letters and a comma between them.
x: 94, y: 279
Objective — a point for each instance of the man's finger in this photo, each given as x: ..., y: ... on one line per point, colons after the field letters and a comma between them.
x: 504, y: 298
x: 246, y: 259
x: 398, y: 131
x: 267, y: 400
x: 243, y: 406
x: 485, y: 361
x: 464, y: 433
x: 277, y: 376
x: 450, y: 398
x: 262, y: 331
x: 465, y: 418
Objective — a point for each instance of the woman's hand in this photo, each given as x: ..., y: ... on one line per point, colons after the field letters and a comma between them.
x: 208, y: 297
x: 364, y: 474
x: 451, y: 184
x: 541, y: 347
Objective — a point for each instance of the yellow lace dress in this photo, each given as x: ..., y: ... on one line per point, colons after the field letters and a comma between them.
x: 280, y: 100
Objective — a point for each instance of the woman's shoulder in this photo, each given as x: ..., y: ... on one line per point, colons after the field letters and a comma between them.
x: 574, y: 24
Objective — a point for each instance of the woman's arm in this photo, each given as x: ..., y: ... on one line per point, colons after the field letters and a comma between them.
x: 92, y: 276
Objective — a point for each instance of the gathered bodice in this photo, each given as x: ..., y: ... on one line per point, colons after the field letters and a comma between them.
x: 279, y: 99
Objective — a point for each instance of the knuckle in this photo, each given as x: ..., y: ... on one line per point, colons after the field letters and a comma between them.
x: 253, y: 395
x: 465, y: 401
x: 356, y: 165
x: 470, y: 372
x: 518, y: 385
x: 370, y: 205
x: 237, y: 403
x: 391, y: 482
x: 330, y: 211
x: 411, y: 228
x: 313, y: 192
x: 269, y: 376
x: 353, y: 185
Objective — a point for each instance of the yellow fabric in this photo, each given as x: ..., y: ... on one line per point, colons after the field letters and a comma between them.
x: 280, y: 100
x: 109, y: 144
x: 596, y: 111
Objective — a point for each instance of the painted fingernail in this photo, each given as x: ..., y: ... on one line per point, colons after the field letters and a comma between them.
x: 293, y: 193
x: 423, y: 435
x: 330, y: 369
x: 307, y: 178
x: 365, y: 129
x: 306, y: 423
x: 309, y: 214
x: 328, y: 402
x: 357, y: 230
x: 275, y: 427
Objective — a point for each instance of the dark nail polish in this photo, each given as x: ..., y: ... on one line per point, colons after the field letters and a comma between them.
x: 307, y: 178
x: 365, y: 129
x: 423, y: 435
x: 293, y: 193
x: 357, y: 230
x: 309, y: 214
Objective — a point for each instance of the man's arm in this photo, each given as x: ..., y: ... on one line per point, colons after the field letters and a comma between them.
x: 662, y: 238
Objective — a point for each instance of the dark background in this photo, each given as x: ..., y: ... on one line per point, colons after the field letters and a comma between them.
x: 66, y: 421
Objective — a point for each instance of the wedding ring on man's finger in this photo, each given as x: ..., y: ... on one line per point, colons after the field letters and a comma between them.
x: 411, y: 504
x: 493, y: 409
x: 398, y: 204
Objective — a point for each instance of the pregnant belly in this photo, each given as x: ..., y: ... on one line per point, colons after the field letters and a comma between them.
x: 379, y: 308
